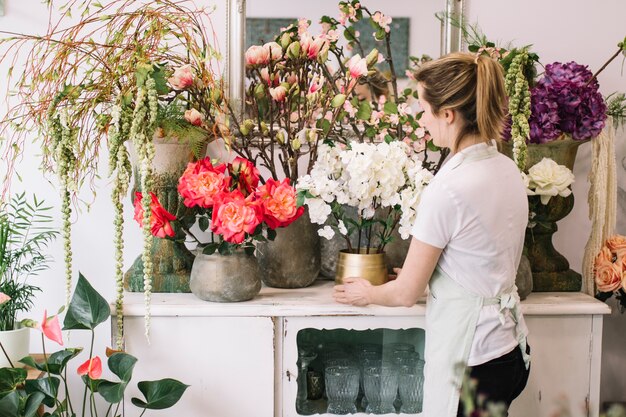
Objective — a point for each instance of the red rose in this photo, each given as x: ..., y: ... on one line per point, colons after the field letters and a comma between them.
x: 235, y: 215
x: 245, y: 173
x: 201, y: 181
x: 279, y: 203
x: 160, y: 219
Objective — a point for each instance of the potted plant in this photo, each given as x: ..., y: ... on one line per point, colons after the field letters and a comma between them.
x: 229, y: 200
x: 383, y: 182
x: 133, y: 76
x: 25, y: 234
x: 22, y: 397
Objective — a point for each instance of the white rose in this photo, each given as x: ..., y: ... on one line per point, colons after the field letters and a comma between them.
x: 547, y: 179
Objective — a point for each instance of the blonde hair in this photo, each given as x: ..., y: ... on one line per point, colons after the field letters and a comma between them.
x: 472, y: 86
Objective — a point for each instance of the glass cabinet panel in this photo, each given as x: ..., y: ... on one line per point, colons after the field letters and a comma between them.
x: 375, y: 371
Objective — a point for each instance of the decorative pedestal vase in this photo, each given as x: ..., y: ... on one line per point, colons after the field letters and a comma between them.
x: 369, y: 266
x: 292, y: 259
x: 225, y: 278
x: 524, y: 278
x: 550, y: 269
x: 15, y: 343
x: 172, y: 261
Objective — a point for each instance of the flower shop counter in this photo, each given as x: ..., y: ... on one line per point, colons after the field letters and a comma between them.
x: 241, y: 359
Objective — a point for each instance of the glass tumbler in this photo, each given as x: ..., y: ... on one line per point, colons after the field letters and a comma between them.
x: 381, y: 386
x: 411, y: 387
x: 342, y: 387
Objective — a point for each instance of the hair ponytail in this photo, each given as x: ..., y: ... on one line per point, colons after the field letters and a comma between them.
x: 471, y: 85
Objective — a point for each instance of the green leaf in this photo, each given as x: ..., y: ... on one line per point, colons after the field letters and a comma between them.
x: 11, y: 377
x: 210, y: 249
x: 87, y: 308
x: 58, y: 360
x: 9, y: 404
x: 160, y: 394
x: 391, y: 107
x: 365, y: 111
x: 271, y: 234
x: 47, y: 386
x: 122, y: 364
x: 112, y: 392
x: 32, y: 404
x: 203, y: 223
x: 159, y: 78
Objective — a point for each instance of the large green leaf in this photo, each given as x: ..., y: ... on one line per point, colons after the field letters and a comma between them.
x: 10, y: 378
x: 112, y: 392
x: 58, y: 360
x: 9, y: 404
x: 122, y: 364
x: 160, y: 394
x: 87, y: 308
x: 47, y: 386
x: 32, y: 404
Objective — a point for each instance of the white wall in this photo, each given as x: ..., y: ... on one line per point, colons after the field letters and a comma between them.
x: 560, y: 30
x: 588, y: 33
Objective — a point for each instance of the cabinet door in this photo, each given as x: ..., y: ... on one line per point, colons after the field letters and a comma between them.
x: 227, y: 361
x: 563, y: 349
x: 337, y: 330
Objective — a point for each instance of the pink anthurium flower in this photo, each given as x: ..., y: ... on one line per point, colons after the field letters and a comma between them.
x: 4, y: 298
x: 51, y: 328
x: 92, y: 368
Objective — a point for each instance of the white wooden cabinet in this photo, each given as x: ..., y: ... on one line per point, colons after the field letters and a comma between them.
x: 241, y: 358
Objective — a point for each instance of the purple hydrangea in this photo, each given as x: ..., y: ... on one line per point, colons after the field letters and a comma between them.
x: 564, y: 101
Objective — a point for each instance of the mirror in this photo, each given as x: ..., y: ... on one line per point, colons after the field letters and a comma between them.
x: 415, y: 29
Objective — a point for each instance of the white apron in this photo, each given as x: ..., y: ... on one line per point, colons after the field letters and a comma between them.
x: 451, y: 316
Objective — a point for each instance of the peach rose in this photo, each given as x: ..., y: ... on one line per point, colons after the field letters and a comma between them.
x: 608, y: 275
x: 235, y: 215
x: 194, y: 117
x: 257, y: 55
x: 279, y: 203
x: 616, y: 244
x: 201, y: 182
x: 182, y: 78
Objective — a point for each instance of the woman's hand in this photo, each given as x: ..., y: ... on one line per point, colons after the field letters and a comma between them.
x: 354, y: 291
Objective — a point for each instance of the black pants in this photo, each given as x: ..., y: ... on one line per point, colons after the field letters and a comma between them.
x: 500, y: 380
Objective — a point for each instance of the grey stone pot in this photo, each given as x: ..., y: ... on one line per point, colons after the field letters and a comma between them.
x: 292, y: 259
x: 225, y: 278
x: 524, y: 278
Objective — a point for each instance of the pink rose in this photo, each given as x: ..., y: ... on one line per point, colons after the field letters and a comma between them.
x: 257, y: 55
x: 245, y: 174
x: 194, y: 117
x: 278, y: 200
x: 279, y: 93
x: 160, y: 219
x: 182, y: 78
x: 608, y: 275
x: 235, y: 215
x: 201, y: 182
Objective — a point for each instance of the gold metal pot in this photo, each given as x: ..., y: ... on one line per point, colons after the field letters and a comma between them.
x: 369, y: 266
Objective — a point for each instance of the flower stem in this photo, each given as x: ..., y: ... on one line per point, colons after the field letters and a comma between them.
x: 7, y: 355
x: 90, y: 353
x: 621, y: 48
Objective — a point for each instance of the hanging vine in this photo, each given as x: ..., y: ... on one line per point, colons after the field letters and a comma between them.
x: 518, y: 90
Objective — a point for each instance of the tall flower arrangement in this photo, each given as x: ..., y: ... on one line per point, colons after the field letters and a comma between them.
x: 125, y: 72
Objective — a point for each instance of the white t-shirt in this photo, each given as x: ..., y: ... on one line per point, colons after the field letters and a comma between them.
x: 477, y: 211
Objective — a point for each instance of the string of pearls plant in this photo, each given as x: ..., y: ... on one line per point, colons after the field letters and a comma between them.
x: 64, y: 143
x: 519, y: 106
x: 119, y: 164
x: 142, y: 129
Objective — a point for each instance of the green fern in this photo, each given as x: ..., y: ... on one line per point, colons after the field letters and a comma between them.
x: 172, y: 121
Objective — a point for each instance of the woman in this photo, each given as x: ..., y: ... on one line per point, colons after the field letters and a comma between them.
x: 467, y: 242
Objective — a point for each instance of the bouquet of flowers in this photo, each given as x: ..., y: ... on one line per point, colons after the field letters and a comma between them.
x: 382, y: 181
x: 610, y: 270
x: 229, y: 200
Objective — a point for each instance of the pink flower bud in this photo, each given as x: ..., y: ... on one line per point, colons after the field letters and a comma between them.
x: 194, y: 117
x: 182, y: 78
x: 257, y: 55
x: 357, y: 66
x: 274, y: 51
x: 279, y: 93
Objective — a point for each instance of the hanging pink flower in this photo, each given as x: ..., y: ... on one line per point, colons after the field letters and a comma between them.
x: 278, y: 200
x: 201, y: 182
x: 51, y: 328
x: 182, y: 78
x: 245, y: 173
x: 92, y: 368
x: 235, y: 215
x: 160, y: 219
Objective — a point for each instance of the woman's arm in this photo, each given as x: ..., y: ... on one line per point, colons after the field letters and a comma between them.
x: 411, y: 283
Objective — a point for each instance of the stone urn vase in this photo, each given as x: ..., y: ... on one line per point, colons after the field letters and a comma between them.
x: 293, y: 258
x: 172, y: 260
x: 225, y: 278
